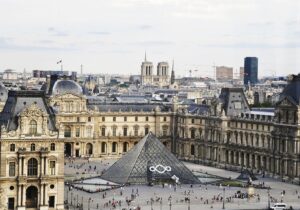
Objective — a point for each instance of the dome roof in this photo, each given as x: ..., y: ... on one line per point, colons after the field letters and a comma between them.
x: 66, y: 86
x: 3, y: 93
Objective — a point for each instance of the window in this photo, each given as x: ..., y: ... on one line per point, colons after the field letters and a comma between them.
x: 103, y: 131
x: 67, y: 132
x: 114, y: 129
x: 89, y: 119
x: 78, y: 119
x: 52, y: 147
x: 12, y: 168
x: 147, y: 119
x: 77, y: 133
x: 125, y: 131
x: 136, y: 119
x: 12, y: 147
x: 136, y: 130
x: 146, y: 130
x: 192, y: 133
x: 192, y: 150
x: 103, y: 147
x: 125, y: 119
x: 32, y: 167
x: 193, y: 121
x: 32, y: 127
x: 103, y: 119
x: 52, y: 167
x: 165, y: 119
x: 125, y: 146
x: 114, y: 147
x: 51, y: 201
x: 114, y: 119
x: 89, y: 132
x: 32, y: 147
x: 11, y: 203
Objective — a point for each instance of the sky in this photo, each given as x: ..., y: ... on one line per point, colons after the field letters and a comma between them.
x: 112, y: 36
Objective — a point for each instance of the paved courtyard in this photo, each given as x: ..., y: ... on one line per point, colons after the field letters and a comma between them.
x: 168, y: 197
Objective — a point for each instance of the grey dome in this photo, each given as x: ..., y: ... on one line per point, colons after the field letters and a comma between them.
x: 3, y: 93
x: 66, y: 86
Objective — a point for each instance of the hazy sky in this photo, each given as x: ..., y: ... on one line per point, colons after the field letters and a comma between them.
x: 111, y: 36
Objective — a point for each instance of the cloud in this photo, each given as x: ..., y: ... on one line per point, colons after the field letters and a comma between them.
x: 100, y: 33
x: 55, y: 32
x: 154, y: 43
x: 144, y: 27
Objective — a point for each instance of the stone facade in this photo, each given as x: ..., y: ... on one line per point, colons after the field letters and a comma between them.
x: 31, y: 155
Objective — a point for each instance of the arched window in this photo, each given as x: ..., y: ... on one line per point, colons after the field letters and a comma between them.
x: 114, y: 147
x: 52, y: 147
x: 125, y: 146
x: 32, y: 167
x: 89, y: 149
x: 32, y: 147
x: 67, y: 132
x: 12, y: 147
x: 32, y: 127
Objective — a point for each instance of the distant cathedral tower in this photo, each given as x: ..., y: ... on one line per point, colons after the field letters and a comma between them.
x: 146, y: 72
x: 173, y: 74
x: 162, y: 77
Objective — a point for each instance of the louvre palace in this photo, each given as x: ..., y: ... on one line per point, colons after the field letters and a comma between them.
x: 40, y: 128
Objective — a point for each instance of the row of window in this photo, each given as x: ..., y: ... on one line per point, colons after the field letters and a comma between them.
x: 103, y: 131
x: 32, y: 168
x: 250, y: 126
x: 12, y: 147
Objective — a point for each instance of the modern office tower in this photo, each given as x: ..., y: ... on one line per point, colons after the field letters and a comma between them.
x: 250, y: 70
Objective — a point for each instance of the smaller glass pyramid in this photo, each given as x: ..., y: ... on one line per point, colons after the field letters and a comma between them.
x: 149, y: 162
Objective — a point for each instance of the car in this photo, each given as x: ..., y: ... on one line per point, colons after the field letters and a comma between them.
x: 279, y: 206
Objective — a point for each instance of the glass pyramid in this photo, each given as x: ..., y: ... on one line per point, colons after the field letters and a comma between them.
x: 149, y: 162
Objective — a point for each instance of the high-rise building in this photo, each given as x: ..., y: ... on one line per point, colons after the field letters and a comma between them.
x: 250, y: 70
x: 224, y: 74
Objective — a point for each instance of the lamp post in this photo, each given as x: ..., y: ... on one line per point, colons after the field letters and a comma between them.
x: 223, y: 207
x: 67, y: 201
x: 89, y: 200
x: 77, y: 200
x: 160, y: 203
x: 170, y: 202
x: 189, y: 202
x: 71, y: 198
x: 151, y: 203
x: 269, y: 199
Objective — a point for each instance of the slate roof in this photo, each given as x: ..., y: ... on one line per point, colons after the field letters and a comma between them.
x: 198, y: 109
x: 147, y: 162
x: 292, y: 90
x: 18, y: 101
x: 3, y: 93
x: 127, y: 107
x: 234, y: 101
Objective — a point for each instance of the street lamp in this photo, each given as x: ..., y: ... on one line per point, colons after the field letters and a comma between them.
x: 71, y: 198
x: 151, y: 203
x: 223, y: 198
x: 189, y: 202
x: 170, y: 202
x: 89, y: 203
x: 160, y: 202
x: 269, y: 198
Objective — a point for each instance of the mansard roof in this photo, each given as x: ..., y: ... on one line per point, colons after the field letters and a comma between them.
x: 234, y: 101
x: 128, y: 107
x: 292, y: 90
x: 20, y: 100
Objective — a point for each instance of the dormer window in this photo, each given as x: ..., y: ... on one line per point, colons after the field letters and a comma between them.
x: 32, y: 127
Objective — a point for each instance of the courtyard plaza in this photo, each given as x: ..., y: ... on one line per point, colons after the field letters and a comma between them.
x: 190, y: 197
